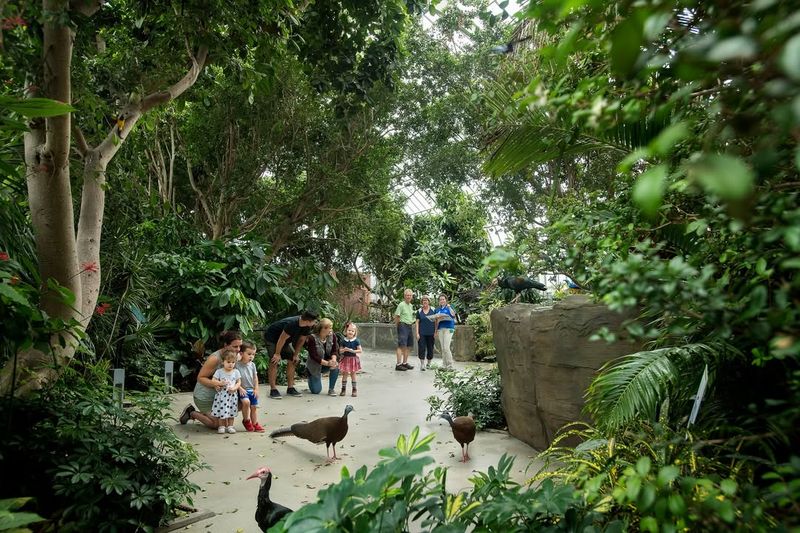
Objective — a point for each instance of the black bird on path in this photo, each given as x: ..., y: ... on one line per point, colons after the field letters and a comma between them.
x: 464, y: 432
x: 330, y: 430
x: 268, y: 513
x: 519, y: 284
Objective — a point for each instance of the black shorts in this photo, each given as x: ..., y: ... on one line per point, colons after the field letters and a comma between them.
x: 287, y: 352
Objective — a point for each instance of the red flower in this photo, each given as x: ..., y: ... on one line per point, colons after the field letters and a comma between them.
x: 12, y: 22
x: 4, y: 256
x: 102, y: 308
x: 90, y: 266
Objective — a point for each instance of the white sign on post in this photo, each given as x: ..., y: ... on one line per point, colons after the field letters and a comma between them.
x: 119, y: 386
x: 169, y: 371
x: 698, y: 398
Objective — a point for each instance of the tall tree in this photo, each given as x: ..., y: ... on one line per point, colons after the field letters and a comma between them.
x: 115, y: 63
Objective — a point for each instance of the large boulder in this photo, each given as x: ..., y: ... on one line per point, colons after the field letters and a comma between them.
x: 547, y: 362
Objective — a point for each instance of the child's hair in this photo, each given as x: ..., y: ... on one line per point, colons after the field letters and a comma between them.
x: 229, y: 355
x: 247, y: 345
x: 348, y: 324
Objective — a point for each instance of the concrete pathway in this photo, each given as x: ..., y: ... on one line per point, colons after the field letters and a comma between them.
x: 389, y: 403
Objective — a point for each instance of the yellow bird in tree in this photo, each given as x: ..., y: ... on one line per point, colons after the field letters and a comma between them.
x: 120, y: 122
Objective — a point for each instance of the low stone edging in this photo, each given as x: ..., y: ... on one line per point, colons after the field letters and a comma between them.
x: 380, y: 336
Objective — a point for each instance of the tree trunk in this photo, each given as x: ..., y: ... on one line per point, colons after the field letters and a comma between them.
x: 47, y: 147
x: 66, y: 259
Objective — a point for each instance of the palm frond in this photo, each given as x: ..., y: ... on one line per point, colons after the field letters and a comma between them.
x: 633, y: 386
x: 525, y: 137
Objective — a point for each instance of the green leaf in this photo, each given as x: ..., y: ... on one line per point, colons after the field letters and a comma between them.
x: 9, y: 292
x: 667, y: 474
x: 728, y: 486
x: 626, y: 40
x: 643, y: 466
x: 36, y: 107
x: 649, y: 190
x: 739, y: 47
x: 725, y: 176
x: 15, y: 521
x: 648, y: 523
x: 668, y: 138
x: 790, y: 58
x: 676, y: 504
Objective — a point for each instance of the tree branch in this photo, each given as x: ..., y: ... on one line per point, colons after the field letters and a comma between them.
x: 80, y: 141
x: 198, y: 62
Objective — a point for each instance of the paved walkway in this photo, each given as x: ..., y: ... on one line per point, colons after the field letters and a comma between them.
x: 389, y: 403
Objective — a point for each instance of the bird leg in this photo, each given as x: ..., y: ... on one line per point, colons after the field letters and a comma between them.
x: 463, y: 456
x: 466, y: 455
x: 334, y: 452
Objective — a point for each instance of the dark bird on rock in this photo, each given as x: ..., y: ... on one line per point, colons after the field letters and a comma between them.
x: 268, y: 513
x: 519, y: 284
x: 464, y: 432
x: 330, y: 430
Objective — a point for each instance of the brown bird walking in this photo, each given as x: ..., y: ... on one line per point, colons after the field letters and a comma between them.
x: 464, y: 432
x: 330, y: 430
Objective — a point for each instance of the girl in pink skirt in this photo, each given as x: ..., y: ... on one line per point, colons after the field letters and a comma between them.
x: 349, y: 362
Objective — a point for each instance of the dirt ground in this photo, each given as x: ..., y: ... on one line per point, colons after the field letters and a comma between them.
x: 389, y: 403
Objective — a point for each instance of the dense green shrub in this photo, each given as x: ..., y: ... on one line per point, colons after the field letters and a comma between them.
x: 476, y: 391
x: 397, y: 492
x: 484, y: 339
x: 90, y: 464
x: 643, y: 496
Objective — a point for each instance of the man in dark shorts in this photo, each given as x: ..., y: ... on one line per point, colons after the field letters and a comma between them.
x: 283, y: 340
x: 404, y: 320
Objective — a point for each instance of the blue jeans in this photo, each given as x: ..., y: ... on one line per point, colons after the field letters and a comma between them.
x: 315, y: 382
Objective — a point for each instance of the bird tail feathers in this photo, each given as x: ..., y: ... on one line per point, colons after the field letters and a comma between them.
x: 281, y: 432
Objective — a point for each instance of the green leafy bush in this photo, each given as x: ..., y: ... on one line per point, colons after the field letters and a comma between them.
x: 656, y: 476
x: 91, y: 464
x: 484, y: 339
x: 476, y: 391
x: 399, y: 495
x: 398, y: 492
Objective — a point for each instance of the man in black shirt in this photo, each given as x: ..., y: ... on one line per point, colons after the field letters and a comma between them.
x: 284, y: 339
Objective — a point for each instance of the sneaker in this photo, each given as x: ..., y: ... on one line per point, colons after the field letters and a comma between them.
x: 221, y: 430
x: 248, y: 425
x: 186, y: 414
x: 257, y: 428
x: 408, y: 367
x: 274, y: 394
x: 231, y: 429
x: 355, y: 393
x: 293, y: 392
x: 332, y: 393
x: 400, y: 367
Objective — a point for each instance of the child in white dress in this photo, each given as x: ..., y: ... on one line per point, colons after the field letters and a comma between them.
x: 225, y: 406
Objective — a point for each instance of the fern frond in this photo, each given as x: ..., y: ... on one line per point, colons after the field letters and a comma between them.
x: 634, y: 385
